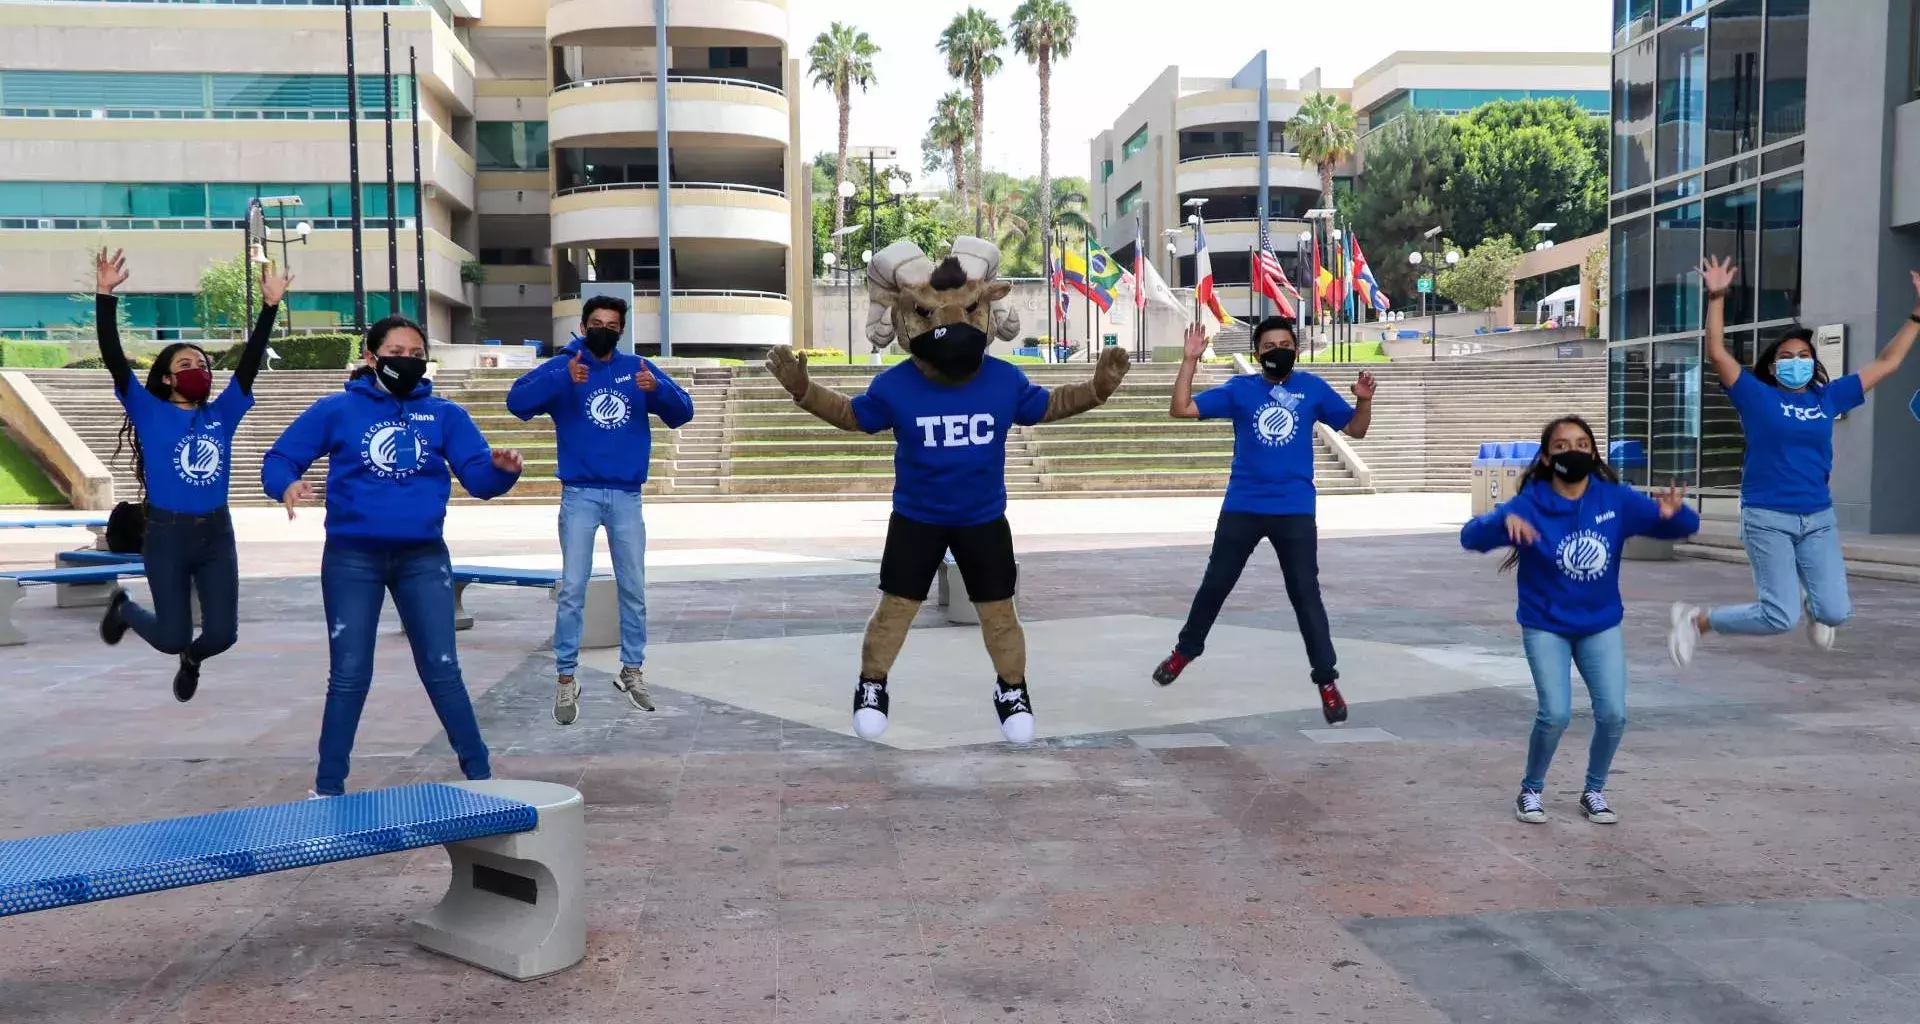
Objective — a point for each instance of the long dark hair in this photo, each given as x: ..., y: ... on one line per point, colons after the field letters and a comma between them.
x: 1542, y: 470
x: 158, y: 387
x: 1763, y: 369
x: 377, y: 335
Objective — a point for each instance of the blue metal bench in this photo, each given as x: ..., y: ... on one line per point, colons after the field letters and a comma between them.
x: 602, y: 614
x: 513, y: 906
x: 13, y: 584
x: 68, y: 522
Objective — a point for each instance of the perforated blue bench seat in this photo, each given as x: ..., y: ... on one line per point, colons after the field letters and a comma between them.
x: 77, y: 574
x: 506, y: 577
x: 50, y: 524
x: 99, y: 864
x: 95, y: 556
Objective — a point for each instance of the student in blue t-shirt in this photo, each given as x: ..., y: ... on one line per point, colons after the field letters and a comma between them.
x: 182, y: 456
x: 1787, y: 407
x: 1270, y: 494
x: 1566, y: 527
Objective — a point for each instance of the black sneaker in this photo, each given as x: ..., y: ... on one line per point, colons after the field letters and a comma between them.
x: 870, y: 708
x: 1332, y: 705
x: 1595, y: 804
x: 1015, y: 708
x: 1170, y: 669
x: 186, y: 682
x: 113, y: 625
x: 1528, y: 808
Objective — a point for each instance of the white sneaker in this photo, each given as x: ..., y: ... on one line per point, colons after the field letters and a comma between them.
x: 1684, y: 636
x: 870, y: 708
x: 1015, y: 708
x: 632, y: 683
x: 566, y: 701
x: 1819, y: 634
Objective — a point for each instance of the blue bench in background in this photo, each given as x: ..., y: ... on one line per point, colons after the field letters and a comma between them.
x: 514, y: 904
x: 601, y: 627
x: 63, y: 522
x: 95, y: 577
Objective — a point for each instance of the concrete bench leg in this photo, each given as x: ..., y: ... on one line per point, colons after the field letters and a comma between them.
x: 516, y: 904
x: 461, y: 618
x: 600, y: 625
x: 83, y: 595
x: 10, y: 593
x: 953, y: 596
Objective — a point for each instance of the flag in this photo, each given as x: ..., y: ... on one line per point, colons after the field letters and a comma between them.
x: 1203, y: 269
x: 1059, y: 281
x: 1326, y: 286
x: 1154, y: 289
x: 1094, y: 274
x: 1138, y: 277
x: 1270, y: 279
x: 1346, y: 275
x: 1365, y: 283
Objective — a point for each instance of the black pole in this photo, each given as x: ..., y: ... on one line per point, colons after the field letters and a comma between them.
x: 1433, y: 304
x: 1086, y: 257
x: 846, y: 271
x: 393, y: 190
x: 246, y: 263
x: 353, y: 179
x: 419, y: 196
x: 1253, y: 318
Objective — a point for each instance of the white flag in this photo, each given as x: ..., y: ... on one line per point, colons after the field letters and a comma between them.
x: 1158, y: 293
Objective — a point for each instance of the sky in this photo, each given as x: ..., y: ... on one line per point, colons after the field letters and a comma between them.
x: 1124, y: 44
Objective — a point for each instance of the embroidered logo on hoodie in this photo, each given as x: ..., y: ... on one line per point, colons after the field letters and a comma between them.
x: 197, y: 457
x: 392, y: 450
x: 1583, y: 556
x: 1276, y: 425
x: 609, y: 409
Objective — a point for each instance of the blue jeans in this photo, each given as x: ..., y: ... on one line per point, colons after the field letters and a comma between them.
x: 354, y: 583
x: 185, y: 553
x: 583, y: 511
x: 1791, y: 555
x: 1602, y: 658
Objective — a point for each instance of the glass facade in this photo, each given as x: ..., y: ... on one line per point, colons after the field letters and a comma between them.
x: 1134, y: 145
x: 1128, y: 202
x: 29, y: 314
x: 1708, y: 141
x: 115, y: 94
x: 85, y: 206
x: 510, y: 145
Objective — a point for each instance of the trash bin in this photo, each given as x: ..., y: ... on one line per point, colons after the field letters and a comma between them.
x: 1482, y: 473
x: 1519, y: 456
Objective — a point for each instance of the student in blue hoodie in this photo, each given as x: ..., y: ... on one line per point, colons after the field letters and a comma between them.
x: 599, y: 398
x: 1567, y: 527
x: 393, y: 449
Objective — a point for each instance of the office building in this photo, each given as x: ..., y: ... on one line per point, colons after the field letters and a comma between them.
x: 149, y: 126
x: 1785, y: 136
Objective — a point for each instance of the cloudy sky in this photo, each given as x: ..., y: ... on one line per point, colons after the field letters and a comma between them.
x: 1123, y: 44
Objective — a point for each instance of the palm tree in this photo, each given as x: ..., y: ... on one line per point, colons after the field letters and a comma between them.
x: 947, y: 134
x: 972, y: 45
x: 840, y: 60
x: 1043, y: 32
x: 1000, y: 212
x: 1325, y: 133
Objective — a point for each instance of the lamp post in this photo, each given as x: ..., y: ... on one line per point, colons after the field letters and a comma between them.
x: 846, y: 271
x: 873, y: 204
x: 256, y: 253
x: 1434, y: 260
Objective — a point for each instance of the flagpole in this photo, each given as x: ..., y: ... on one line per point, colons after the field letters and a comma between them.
x: 1086, y: 256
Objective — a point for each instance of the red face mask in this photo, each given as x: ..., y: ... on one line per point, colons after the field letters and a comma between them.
x: 193, y: 385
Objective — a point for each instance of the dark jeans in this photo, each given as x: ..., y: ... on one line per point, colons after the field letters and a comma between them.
x: 185, y: 553
x: 1296, y: 539
x: 354, y: 583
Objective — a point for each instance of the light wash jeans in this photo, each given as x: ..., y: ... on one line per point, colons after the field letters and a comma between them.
x: 1791, y: 555
x: 1602, y: 658
x: 583, y: 511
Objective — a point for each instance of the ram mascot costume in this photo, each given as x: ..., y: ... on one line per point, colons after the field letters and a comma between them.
x: 950, y: 407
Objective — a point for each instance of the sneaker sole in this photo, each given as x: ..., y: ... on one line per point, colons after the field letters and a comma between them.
x: 1604, y: 819
x: 1679, y: 620
x: 1541, y: 819
x: 567, y: 717
x: 634, y: 698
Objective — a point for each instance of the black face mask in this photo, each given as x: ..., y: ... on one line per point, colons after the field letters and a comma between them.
x: 954, y: 351
x: 602, y: 340
x: 1278, y: 362
x: 400, y: 374
x: 1573, y: 466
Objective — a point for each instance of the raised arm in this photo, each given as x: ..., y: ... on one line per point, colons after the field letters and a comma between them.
x: 273, y: 288
x: 304, y: 440
x: 1890, y: 357
x: 484, y: 472
x: 1508, y: 525
x: 1663, y: 516
x: 538, y: 388
x: 110, y: 272
x: 829, y: 405
x: 1074, y: 399
x: 1194, y: 346
x: 1718, y: 273
x: 667, y: 399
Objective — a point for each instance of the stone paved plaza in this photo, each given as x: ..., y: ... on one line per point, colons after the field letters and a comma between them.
x: 1210, y: 852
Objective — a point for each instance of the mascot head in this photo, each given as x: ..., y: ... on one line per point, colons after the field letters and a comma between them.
x: 945, y: 313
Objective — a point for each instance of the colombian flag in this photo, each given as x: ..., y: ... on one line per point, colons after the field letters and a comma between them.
x: 1093, y: 273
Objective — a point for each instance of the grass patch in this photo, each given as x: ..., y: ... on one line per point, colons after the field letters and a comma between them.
x: 21, y: 481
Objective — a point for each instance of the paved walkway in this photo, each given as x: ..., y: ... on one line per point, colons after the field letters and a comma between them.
x: 1210, y: 852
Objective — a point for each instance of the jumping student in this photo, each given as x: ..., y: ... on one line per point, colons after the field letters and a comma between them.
x: 393, y: 448
x: 182, y: 456
x: 1270, y: 494
x: 1787, y: 406
x: 599, y: 399
x: 1566, y: 528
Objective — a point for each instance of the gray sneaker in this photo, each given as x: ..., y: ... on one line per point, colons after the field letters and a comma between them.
x: 566, y: 701
x: 634, y: 686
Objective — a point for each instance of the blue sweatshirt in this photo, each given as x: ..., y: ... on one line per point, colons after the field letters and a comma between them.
x: 600, y: 426
x: 1570, y: 577
x: 390, y: 464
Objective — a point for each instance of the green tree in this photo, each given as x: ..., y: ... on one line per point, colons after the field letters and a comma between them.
x: 1402, y: 196
x: 841, y: 60
x: 1324, y: 132
x: 1027, y: 257
x: 1483, y: 276
x: 221, y: 301
x: 945, y: 146
x: 1526, y: 162
x: 971, y: 45
x: 1043, y: 32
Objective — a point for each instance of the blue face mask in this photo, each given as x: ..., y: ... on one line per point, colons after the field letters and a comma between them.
x: 1793, y: 373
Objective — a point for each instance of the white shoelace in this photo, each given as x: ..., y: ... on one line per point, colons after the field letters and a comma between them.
x: 1529, y: 801
x: 1597, y: 802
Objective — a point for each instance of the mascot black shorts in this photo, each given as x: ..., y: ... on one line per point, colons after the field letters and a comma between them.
x: 984, y: 555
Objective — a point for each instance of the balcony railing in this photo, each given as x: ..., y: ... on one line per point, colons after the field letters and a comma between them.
x: 1250, y: 156
x: 367, y: 113
x: 178, y: 223
x: 672, y: 80
x: 694, y: 293
x: 704, y: 186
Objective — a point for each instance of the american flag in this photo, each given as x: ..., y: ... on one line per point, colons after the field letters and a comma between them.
x: 1270, y: 279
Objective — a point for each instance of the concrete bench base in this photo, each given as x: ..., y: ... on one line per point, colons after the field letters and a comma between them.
x: 601, y: 627
x: 516, y: 904
x: 952, y: 594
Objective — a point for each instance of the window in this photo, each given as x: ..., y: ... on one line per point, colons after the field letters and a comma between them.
x: 1670, y: 9
x: 81, y: 93
x: 1106, y: 169
x: 182, y: 206
x: 510, y: 145
x: 1723, y: 444
x: 726, y: 56
x: 1632, y: 279
x: 1633, y: 72
x: 1128, y: 202
x: 1134, y: 145
x: 1786, y: 95
x: 1676, y: 269
x: 1630, y: 405
x: 1733, y: 79
x: 1674, y: 412
x: 509, y: 258
x: 1681, y: 137
x: 1733, y: 231
x: 1631, y: 19
x: 169, y: 311
x: 1460, y: 101
x: 1780, y: 214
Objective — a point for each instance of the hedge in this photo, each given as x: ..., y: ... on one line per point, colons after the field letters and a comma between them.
x: 309, y: 352
x: 96, y: 363
x: 36, y: 354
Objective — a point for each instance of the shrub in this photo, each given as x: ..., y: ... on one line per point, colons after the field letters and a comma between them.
x: 313, y: 351
x: 35, y: 354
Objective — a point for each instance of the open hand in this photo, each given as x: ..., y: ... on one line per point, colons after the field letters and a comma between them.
x: 109, y: 272
x: 1915, y: 274
x: 1194, y: 341
x: 1717, y: 273
x: 1111, y: 369
x: 507, y: 460
x: 645, y: 380
x: 1521, y: 532
x: 1363, y: 386
x: 790, y: 369
x: 1671, y: 500
x: 297, y: 492
x: 273, y: 286
x: 577, y: 368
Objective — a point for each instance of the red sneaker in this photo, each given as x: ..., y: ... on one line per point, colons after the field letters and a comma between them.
x: 1332, y: 704
x: 1170, y: 669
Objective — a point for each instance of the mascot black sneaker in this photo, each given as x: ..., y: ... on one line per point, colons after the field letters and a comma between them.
x: 1015, y: 709
x: 870, y: 708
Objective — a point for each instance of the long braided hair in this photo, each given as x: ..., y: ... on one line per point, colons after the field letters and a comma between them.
x: 157, y: 386
x: 1542, y: 470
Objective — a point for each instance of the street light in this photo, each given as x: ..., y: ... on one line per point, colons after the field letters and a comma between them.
x: 829, y: 259
x: 873, y: 204
x: 1451, y: 258
x: 256, y: 227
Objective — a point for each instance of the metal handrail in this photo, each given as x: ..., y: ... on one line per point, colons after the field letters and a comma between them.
x: 1219, y: 156
x: 697, y: 293
x: 711, y: 186
x: 64, y: 223
x: 186, y: 114
x: 587, y: 83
